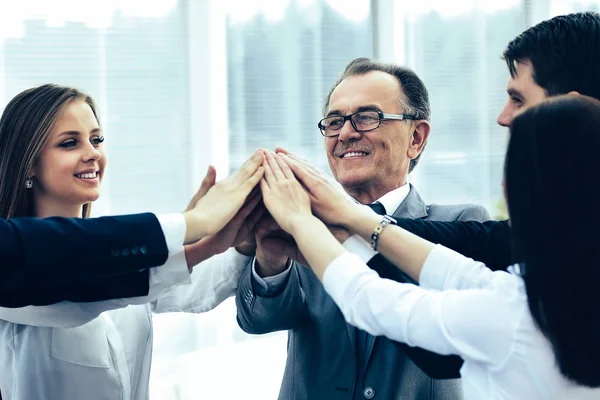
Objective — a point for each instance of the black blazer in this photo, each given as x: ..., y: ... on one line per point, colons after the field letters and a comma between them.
x: 43, y: 261
x: 488, y: 242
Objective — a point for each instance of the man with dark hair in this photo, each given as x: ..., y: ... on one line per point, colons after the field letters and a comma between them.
x: 557, y: 56
x: 376, y: 125
x: 554, y: 57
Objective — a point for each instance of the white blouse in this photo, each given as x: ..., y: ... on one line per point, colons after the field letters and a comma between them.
x: 103, y: 350
x: 460, y: 308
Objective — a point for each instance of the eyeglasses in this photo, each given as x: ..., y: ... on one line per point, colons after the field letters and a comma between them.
x: 362, y: 121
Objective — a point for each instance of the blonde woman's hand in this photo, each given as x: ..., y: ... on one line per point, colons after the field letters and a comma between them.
x: 217, y: 203
x: 233, y: 233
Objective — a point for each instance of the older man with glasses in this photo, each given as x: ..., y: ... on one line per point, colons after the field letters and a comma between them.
x: 388, y: 110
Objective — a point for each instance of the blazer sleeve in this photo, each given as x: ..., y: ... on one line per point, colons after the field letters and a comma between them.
x: 488, y: 242
x: 66, y: 314
x: 55, y: 259
x: 259, y: 312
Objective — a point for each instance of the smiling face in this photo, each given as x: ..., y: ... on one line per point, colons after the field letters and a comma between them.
x: 522, y: 91
x: 371, y: 164
x: 70, y: 167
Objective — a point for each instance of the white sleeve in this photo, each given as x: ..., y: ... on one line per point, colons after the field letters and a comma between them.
x: 357, y: 245
x: 173, y: 227
x: 477, y: 324
x: 446, y: 269
x: 162, y: 279
x: 213, y: 281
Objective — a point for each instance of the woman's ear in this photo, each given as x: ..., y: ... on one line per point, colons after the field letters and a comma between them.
x: 418, y: 139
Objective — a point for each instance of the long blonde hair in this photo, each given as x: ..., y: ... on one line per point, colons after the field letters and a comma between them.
x: 24, y: 129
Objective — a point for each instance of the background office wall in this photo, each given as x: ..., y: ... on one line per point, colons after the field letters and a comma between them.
x: 181, y: 84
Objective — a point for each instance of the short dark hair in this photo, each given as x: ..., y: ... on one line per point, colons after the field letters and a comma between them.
x: 547, y: 184
x: 414, y: 101
x: 564, y: 52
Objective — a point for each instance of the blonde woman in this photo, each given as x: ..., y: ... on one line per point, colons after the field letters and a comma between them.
x: 53, y: 163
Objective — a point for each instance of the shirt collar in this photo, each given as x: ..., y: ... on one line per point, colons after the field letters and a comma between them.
x: 392, y: 200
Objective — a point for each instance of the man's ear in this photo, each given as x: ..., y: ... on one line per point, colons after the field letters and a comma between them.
x: 418, y: 138
x: 574, y: 92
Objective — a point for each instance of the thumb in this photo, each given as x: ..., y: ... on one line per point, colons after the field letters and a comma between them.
x: 208, y: 182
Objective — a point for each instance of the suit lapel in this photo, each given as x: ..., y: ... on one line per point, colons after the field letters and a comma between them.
x: 412, y: 207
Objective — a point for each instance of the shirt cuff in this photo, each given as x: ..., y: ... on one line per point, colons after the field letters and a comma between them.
x: 173, y: 227
x: 340, y: 273
x: 172, y: 273
x: 270, y: 283
x: 355, y: 244
x: 436, y: 267
x: 235, y: 261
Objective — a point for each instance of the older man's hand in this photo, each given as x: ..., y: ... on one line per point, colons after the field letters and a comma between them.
x: 272, y: 247
x: 277, y: 247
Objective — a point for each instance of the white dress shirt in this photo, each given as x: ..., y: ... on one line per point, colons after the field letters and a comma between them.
x: 461, y: 307
x: 354, y: 244
x: 103, y: 350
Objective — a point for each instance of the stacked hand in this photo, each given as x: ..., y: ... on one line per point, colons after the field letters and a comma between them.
x: 291, y: 187
x: 230, y: 213
x: 216, y: 204
x: 328, y: 199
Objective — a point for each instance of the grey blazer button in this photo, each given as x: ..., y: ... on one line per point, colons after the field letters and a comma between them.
x: 143, y: 250
x: 369, y: 393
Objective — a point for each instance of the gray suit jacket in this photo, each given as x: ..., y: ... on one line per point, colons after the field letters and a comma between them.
x: 321, y: 360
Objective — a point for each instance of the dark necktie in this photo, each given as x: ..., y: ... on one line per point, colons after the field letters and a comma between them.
x: 378, y: 208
